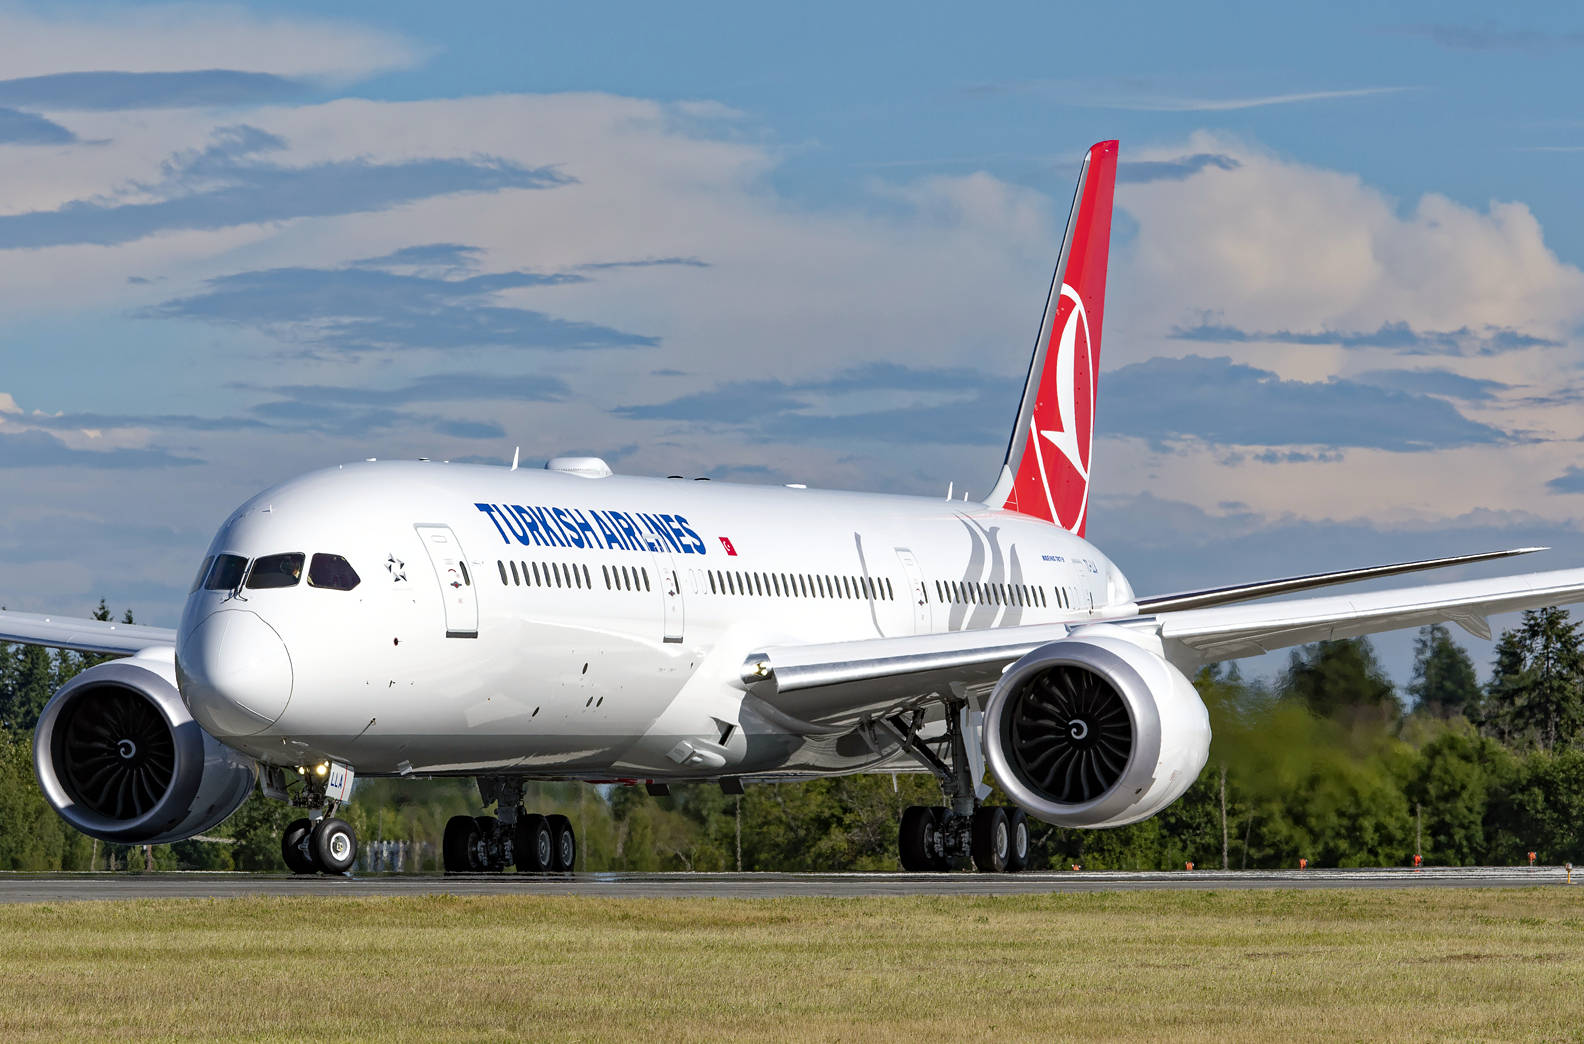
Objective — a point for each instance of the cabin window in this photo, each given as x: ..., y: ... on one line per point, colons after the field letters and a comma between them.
x: 502, y: 567
x: 203, y: 571
x: 588, y: 578
x: 605, y: 572
x: 283, y: 570
x: 646, y: 579
x: 466, y: 579
x: 759, y: 584
x: 516, y: 581
x: 332, y: 572
x: 226, y: 573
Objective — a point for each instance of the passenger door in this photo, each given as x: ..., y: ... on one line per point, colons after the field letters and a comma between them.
x: 673, y: 611
x: 456, y: 583
x: 922, y: 616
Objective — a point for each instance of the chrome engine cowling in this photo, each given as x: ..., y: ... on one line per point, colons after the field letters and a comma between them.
x: 1095, y: 730
x: 120, y: 759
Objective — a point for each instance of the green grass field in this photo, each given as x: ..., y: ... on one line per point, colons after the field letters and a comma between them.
x: 1255, y: 965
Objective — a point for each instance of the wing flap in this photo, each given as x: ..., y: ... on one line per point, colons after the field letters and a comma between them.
x: 94, y: 636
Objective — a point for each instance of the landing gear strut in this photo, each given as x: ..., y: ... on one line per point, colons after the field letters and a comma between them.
x: 320, y: 843
x: 994, y: 839
x: 534, y: 843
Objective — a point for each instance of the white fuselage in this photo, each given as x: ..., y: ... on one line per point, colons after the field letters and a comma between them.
x: 595, y: 628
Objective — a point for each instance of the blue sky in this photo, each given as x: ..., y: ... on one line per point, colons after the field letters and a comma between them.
x: 1346, y: 309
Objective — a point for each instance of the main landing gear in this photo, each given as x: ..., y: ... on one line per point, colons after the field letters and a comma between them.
x: 321, y: 843
x: 993, y: 839
x: 536, y: 844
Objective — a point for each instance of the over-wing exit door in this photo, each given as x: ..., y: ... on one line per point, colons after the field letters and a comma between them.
x: 670, y: 595
x: 922, y: 622
x: 456, y: 584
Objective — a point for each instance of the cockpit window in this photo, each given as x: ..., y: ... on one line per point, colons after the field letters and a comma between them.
x: 226, y: 573
x: 282, y: 570
x: 203, y: 571
x: 331, y: 571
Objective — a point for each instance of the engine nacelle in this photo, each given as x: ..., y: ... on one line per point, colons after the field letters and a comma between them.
x: 1095, y: 730
x: 120, y: 759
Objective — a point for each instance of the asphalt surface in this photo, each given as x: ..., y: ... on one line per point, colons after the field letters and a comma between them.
x: 68, y: 887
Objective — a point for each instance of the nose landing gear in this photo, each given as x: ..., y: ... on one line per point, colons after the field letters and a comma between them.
x: 320, y: 843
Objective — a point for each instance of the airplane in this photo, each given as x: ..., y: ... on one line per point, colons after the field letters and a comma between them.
x: 431, y: 619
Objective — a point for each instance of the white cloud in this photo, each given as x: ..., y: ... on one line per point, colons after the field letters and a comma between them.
x: 1273, y: 244
x: 39, y: 41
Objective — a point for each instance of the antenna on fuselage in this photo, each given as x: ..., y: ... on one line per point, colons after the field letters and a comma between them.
x: 516, y: 455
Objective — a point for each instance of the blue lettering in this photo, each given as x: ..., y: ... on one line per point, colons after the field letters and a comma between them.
x: 567, y: 526
x: 546, y: 524
x: 644, y: 540
x: 606, y: 532
x: 512, y: 524
x: 680, y: 537
x: 586, y: 529
x: 660, y: 531
x: 489, y: 509
x: 530, y: 525
x: 698, y: 543
x: 629, y: 534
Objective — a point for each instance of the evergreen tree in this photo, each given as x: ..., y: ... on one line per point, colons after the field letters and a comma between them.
x: 1443, y: 684
x: 1537, y: 688
x: 1341, y: 680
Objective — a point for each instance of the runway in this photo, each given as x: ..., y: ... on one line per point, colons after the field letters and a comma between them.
x: 70, y: 887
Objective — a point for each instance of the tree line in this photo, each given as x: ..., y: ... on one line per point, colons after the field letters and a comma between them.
x: 1327, y: 763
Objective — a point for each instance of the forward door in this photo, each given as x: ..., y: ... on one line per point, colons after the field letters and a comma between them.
x: 456, y: 583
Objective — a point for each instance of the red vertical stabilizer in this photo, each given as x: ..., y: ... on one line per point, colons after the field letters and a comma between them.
x: 1046, y: 472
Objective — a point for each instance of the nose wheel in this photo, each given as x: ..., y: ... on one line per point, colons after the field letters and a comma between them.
x: 326, y: 847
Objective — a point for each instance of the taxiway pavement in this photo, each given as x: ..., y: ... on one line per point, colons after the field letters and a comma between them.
x: 70, y: 887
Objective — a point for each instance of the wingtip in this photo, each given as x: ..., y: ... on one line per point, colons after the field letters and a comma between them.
x: 1527, y: 550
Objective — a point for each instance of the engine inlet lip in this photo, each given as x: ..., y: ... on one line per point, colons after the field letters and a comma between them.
x: 186, y: 740
x: 1087, y: 654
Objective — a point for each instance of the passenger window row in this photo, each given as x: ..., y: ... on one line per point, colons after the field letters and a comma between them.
x: 973, y: 592
x: 230, y: 572
x: 799, y: 585
x: 558, y: 574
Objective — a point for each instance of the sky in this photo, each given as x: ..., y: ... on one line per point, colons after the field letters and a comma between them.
x: 1345, y: 321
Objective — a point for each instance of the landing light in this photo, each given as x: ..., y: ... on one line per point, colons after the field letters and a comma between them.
x: 321, y: 768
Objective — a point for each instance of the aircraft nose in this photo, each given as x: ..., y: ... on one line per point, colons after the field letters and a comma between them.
x: 234, y: 672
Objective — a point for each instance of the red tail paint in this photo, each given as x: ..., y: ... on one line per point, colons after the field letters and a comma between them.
x: 1046, y: 473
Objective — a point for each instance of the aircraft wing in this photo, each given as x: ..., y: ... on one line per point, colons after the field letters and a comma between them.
x: 842, y: 683
x: 95, y: 636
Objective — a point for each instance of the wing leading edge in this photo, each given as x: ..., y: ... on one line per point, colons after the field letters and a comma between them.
x: 94, y: 636
x: 843, y: 683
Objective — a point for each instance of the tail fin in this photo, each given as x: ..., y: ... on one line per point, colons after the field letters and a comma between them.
x: 1046, y: 472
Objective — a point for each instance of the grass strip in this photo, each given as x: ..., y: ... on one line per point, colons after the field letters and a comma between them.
x: 1251, y: 965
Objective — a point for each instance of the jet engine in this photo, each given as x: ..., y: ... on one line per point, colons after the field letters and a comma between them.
x: 1095, y: 730
x: 120, y: 759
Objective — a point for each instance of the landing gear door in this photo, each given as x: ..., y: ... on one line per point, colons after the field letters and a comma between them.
x: 670, y: 582
x: 456, y: 582
x: 922, y: 618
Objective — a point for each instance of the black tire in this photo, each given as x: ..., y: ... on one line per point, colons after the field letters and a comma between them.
x: 940, y: 859
x: 535, y: 845
x: 334, y: 845
x: 294, y: 847
x: 992, y: 839
x: 563, y: 843
x: 916, y: 838
x: 1018, y: 833
x: 489, y: 855
x: 460, y: 845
